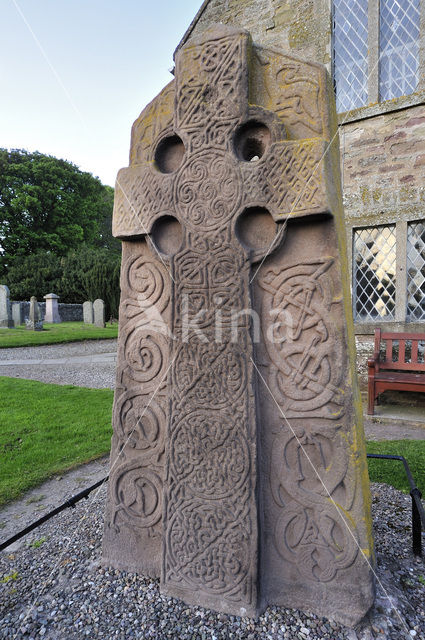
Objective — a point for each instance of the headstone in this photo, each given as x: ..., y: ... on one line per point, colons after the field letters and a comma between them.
x: 34, y: 322
x: 88, y: 312
x: 52, y: 310
x: 238, y: 467
x: 17, y: 314
x: 6, y: 321
x: 99, y: 313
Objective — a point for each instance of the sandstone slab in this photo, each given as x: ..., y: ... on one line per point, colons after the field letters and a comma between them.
x: 238, y: 467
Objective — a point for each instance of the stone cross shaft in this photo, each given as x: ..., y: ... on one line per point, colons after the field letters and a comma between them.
x: 210, y: 175
x: 238, y: 474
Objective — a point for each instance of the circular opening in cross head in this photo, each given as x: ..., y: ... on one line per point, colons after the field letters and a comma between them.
x: 167, y: 235
x: 251, y: 141
x: 169, y: 154
x: 256, y: 228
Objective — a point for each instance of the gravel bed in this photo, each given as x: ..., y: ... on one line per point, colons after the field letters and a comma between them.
x: 99, y: 375
x: 55, y: 588
x: 94, y: 376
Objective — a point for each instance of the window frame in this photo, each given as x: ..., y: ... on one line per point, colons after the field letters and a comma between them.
x: 400, y: 322
x: 373, y: 97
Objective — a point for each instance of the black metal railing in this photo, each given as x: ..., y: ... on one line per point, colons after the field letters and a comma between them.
x: 418, y: 513
x: 66, y: 505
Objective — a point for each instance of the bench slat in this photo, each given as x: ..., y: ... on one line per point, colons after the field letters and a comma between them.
x: 401, y: 351
x: 389, y: 351
x: 415, y: 350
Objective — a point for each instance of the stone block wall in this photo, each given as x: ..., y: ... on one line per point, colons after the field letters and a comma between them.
x: 67, y: 312
x: 302, y: 28
x: 383, y: 166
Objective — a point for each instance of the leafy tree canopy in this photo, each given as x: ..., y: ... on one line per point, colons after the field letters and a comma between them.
x: 85, y: 274
x: 49, y: 204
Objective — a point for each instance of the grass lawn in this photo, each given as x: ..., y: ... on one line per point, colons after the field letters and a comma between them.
x: 392, y: 471
x: 48, y: 428
x: 55, y: 333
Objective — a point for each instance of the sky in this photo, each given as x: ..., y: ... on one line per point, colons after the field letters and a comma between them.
x: 75, y: 74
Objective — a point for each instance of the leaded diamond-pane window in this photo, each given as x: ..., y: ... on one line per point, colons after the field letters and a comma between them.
x: 374, y: 253
x: 399, y: 48
x: 350, y: 53
x: 416, y: 271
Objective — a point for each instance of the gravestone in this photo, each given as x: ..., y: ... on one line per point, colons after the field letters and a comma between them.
x: 52, y: 310
x: 6, y: 321
x: 238, y: 467
x: 17, y: 314
x: 34, y: 322
x: 88, y: 316
x: 99, y: 313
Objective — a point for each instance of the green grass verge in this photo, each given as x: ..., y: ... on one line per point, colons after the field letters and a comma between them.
x: 47, y: 429
x: 54, y: 334
x: 392, y: 472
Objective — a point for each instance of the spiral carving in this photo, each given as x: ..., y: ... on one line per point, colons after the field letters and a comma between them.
x: 208, y: 190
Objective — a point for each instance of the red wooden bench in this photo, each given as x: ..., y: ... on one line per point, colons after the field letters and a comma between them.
x: 399, y: 371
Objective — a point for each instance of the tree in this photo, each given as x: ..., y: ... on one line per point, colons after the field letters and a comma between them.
x: 47, y: 204
x: 91, y: 273
x: 84, y: 274
x: 35, y: 275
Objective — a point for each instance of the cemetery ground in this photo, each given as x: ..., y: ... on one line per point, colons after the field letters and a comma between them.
x: 56, y: 334
x: 52, y: 583
x: 47, y: 429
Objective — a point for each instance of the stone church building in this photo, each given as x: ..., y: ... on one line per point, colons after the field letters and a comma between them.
x: 375, y: 51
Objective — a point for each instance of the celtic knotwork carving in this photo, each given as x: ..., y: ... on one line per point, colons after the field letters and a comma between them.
x: 208, y: 190
x: 212, y: 171
x: 298, y: 101
x: 209, y: 93
x: 207, y: 543
x: 308, y: 468
x: 289, y: 178
x: 212, y: 374
x: 141, y: 194
x: 295, y: 90
x: 140, y: 423
x: 210, y: 453
x: 302, y: 344
x: 137, y: 496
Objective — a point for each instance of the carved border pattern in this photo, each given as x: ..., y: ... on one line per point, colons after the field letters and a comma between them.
x: 136, y: 482
x: 305, y: 379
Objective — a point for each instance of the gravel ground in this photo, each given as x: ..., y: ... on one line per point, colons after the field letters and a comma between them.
x: 86, y: 347
x: 99, y: 375
x: 54, y: 587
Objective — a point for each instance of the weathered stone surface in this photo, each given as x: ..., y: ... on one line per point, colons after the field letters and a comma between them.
x: 34, y: 322
x: 88, y: 316
x: 237, y: 200
x: 17, y: 316
x: 99, y: 313
x: 52, y: 310
x: 6, y: 321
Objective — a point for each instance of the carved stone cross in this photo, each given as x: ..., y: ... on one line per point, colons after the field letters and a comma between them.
x: 211, y: 182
